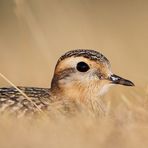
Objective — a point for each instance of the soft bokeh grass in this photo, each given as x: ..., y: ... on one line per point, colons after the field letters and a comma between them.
x: 34, y: 33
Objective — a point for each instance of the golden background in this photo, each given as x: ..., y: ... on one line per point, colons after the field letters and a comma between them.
x: 35, y: 33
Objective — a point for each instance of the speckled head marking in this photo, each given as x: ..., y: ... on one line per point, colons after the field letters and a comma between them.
x: 87, y: 53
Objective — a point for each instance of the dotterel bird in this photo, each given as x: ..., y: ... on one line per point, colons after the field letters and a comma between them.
x: 80, y: 77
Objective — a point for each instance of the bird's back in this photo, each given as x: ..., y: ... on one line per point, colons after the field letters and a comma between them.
x: 14, y: 102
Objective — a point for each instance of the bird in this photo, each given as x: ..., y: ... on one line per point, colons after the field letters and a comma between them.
x: 80, y: 77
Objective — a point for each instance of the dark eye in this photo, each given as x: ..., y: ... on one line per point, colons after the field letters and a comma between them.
x: 82, y: 67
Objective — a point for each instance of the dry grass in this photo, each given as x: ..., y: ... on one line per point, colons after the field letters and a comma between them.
x: 35, y: 33
x: 123, y: 125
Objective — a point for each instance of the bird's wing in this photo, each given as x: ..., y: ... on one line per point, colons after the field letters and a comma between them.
x: 13, y: 101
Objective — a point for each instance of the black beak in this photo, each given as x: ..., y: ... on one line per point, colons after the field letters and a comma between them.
x: 118, y: 80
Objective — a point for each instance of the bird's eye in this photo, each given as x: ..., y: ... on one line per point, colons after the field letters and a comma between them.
x: 82, y: 67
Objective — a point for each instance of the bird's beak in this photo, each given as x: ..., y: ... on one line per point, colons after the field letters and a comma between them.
x: 118, y: 80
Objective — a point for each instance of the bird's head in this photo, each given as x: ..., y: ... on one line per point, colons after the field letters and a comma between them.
x: 84, y: 73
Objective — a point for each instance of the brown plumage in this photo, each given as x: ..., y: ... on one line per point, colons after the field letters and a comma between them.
x: 80, y: 77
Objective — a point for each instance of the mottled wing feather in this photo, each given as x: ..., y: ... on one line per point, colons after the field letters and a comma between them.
x: 13, y: 101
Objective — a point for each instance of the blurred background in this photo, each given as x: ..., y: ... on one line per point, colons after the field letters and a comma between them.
x: 35, y: 33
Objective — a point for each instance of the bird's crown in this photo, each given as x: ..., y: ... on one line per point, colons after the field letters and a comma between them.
x: 86, y: 53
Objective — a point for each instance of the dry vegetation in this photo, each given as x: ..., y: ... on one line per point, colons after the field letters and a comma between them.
x: 35, y: 33
x: 124, y: 124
